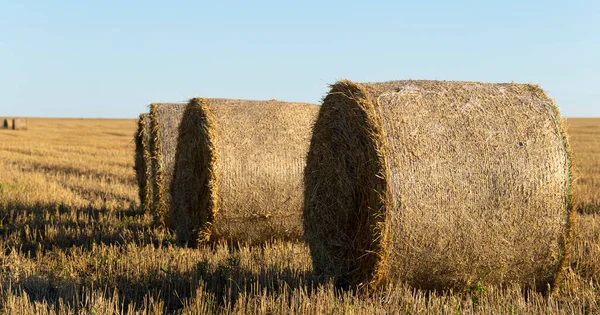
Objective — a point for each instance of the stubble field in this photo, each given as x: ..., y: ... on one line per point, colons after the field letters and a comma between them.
x: 74, y: 241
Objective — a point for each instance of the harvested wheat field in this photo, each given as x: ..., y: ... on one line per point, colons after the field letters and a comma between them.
x: 438, y: 184
x: 75, y: 241
x: 238, y: 170
x: 586, y: 150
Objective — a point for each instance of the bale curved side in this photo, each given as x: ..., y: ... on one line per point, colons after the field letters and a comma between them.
x: 259, y: 159
x: 158, y: 204
x: 569, y: 200
x: 477, y: 189
x: 196, y: 171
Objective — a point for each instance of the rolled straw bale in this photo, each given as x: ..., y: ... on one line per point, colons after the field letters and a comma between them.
x: 238, y: 173
x: 19, y: 124
x: 7, y: 123
x: 164, y: 125
x: 438, y: 184
x: 143, y: 162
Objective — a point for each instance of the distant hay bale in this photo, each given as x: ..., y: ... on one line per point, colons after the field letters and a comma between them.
x: 143, y: 162
x: 164, y: 126
x: 19, y: 124
x: 7, y: 123
x: 238, y: 172
x: 438, y: 184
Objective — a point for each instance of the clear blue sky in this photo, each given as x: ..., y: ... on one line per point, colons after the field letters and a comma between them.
x: 112, y: 58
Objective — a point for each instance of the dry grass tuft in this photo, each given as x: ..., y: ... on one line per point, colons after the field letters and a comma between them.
x: 238, y: 170
x: 442, y: 185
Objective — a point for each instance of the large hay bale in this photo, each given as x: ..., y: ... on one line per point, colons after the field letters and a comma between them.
x: 438, y: 184
x: 19, y: 124
x: 238, y: 173
x: 143, y: 162
x: 164, y: 125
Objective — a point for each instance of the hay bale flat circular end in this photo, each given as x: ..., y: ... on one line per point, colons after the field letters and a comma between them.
x: 438, y: 184
x: 196, y: 171
x: 345, y: 185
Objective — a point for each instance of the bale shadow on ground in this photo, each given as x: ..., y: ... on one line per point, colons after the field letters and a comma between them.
x: 223, y: 283
x: 48, y: 226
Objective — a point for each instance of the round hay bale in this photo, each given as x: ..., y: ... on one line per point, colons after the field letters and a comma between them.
x: 7, y: 123
x: 438, y: 184
x: 238, y: 172
x: 19, y: 124
x: 164, y: 126
x: 143, y: 162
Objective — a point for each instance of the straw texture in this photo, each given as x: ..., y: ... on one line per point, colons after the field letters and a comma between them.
x: 143, y: 162
x: 438, y: 184
x: 239, y: 170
